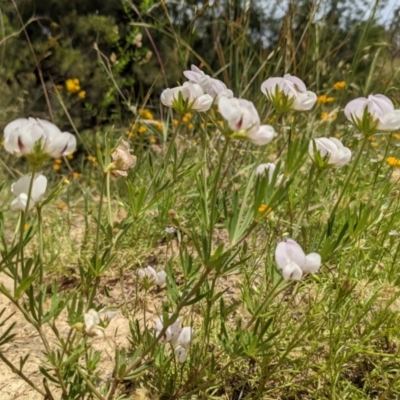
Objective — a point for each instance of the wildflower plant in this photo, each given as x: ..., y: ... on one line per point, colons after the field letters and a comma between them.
x: 232, y: 259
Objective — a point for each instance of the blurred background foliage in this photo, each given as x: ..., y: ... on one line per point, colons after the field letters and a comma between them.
x: 103, y: 60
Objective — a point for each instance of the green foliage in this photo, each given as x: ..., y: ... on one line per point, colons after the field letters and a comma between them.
x: 195, y: 207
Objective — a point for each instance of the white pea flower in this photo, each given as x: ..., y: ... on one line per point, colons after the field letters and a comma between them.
x: 262, y: 136
x: 291, y: 259
x: 29, y: 136
x: 181, y: 343
x: 154, y: 278
x: 172, y: 330
x: 374, y: 113
x: 288, y: 93
x: 92, y: 323
x: 179, y: 338
x: 243, y: 119
x: 214, y: 87
x: 107, y: 315
x: 20, y: 189
x: 186, y: 98
x: 270, y: 169
x: 331, y: 151
x: 92, y: 320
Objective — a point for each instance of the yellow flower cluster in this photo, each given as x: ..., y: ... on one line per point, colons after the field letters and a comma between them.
x: 264, y: 208
x: 92, y: 160
x: 73, y: 86
x: 393, y: 161
x: 339, y: 85
x: 138, y: 129
x: 324, y: 99
x: 58, y: 162
x: 146, y: 114
x: 57, y: 167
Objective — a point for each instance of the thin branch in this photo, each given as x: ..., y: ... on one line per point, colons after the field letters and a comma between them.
x: 21, y: 374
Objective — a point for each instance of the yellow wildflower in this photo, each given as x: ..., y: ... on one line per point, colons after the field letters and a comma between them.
x: 374, y: 144
x: 58, y: 161
x: 187, y: 117
x: 339, y: 85
x: 70, y: 156
x: 56, y: 167
x: 142, y: 129
x: 146, y: 114
x: 73, y: 85
x: 393, y: 161
x: 264, y: 208
x: 92, y: 159
x: 190, y: 126
x: 396, y: 136
x: 338, y: 135
x: 76, y: 175
x: 153, y: 140
x: 82, y: 94
x: 26, y: 227
x: 174, y: 122
x: 324, y: 99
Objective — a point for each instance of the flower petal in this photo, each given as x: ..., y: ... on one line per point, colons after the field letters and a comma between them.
x: 289, y: 251
x: 292, y: 272
x: 39, y: 187
x: 19, y: 203
x: 304, y: 101
x: 262, y: 136
x: 390, y: 121
x: 313, y: 262
x: 181, y: 354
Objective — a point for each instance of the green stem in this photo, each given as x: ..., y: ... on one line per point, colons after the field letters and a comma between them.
x: 103, y: 183
x: 21, y: 374
x: 214, y: 191
x: 41, y: 253
x: 346, y: 183
x: 349, y: 176
x: 20, y: 254
x: 173, y: 139
x: 110, y: 218
x: 90, y: 384
x: 97, y: 244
